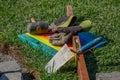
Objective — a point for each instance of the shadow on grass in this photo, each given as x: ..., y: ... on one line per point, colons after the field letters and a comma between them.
x: 91, y: 64
x: 69, y: 67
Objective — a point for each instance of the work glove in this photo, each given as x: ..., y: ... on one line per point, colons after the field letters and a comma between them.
x: 63, y: 22
x: 59, y: 39
x: 75, y: 29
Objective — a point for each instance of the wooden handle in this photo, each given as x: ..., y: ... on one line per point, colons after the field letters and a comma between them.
x: 33, y: 20
x: 81, y: 66
x: 82, y: 70
x: 69, y: 10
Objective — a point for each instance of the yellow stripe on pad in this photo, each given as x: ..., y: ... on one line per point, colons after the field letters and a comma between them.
x: 44, y: 39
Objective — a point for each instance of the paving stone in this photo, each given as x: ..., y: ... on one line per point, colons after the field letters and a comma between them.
x: 9, y: 66
x: 4, y: 58
x: 24, y: 70
x: 12, y: 76
x: 108, y: 76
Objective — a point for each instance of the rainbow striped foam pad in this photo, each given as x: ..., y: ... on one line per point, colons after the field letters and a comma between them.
x: 41, y: 42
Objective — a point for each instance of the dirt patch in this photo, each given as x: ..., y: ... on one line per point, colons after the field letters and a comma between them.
x: 6, y: 49
x: 28, y: 73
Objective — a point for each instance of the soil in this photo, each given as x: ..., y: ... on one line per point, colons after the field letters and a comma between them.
x: 7, y: 49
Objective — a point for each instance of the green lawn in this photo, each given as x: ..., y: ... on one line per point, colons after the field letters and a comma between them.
x: 105, y: 15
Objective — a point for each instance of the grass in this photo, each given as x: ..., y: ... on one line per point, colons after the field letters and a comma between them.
x: 105, y: 15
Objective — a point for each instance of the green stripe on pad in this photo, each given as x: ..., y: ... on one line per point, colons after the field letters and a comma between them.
x: 45, y: 49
